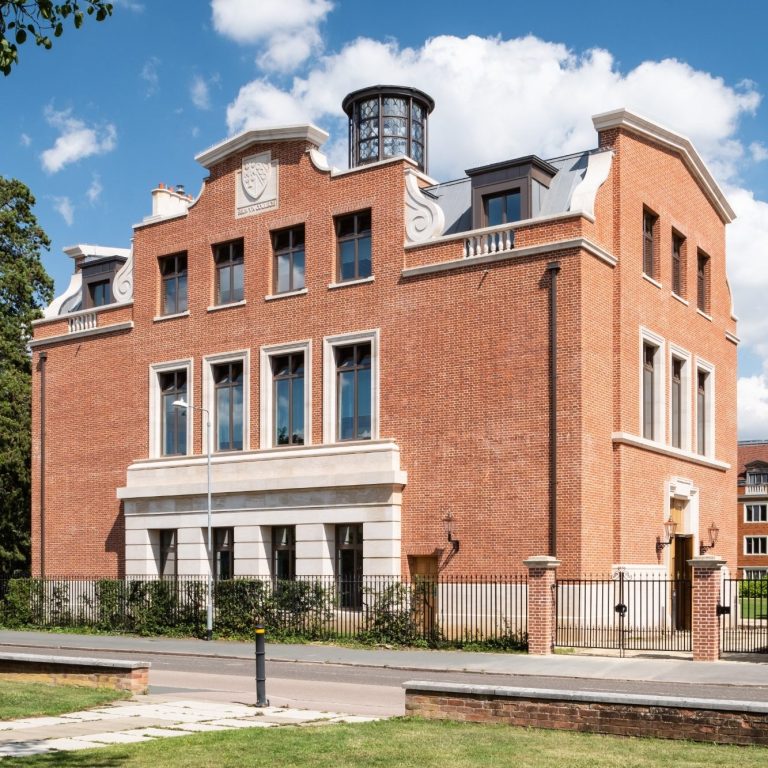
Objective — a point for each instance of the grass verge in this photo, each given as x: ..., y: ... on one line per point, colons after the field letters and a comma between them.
x: 33, y: 699
x: 410, y: 743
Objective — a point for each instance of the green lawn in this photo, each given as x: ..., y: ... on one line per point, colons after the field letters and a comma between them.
x: 754, y: 607
x: 404, y: 743
x: 31, y: 699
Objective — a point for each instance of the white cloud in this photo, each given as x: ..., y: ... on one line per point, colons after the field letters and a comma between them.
x: 286, y: 30
x: 759, y: 151
x: 64, y: 206
x: 95, y: 189
x: 199, y: 93
x: 150, y: 75
x: 76, y: 140
x: 747, y: 241
x: 498, y: 99
x: 752, y: 393
x: 25, y: 140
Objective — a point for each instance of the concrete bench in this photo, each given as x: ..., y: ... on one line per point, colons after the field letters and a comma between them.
x: 121, y: 675
x: 624, y: 714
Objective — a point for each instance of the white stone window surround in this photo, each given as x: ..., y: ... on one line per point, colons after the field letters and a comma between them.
x: 685, y: 391
x: 659, y: 379
x: 156, y: 401
x: 329, y: 380
x: 209, y: 402
x: 680, y: 489
x: 756, y: 546
x: 709, y: 398
x: 266, y: 399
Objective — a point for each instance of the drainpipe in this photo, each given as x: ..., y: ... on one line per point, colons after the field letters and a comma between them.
x: 553, y: 268
x: 42, y: 358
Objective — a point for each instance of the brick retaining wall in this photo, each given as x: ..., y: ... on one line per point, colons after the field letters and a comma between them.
x: 121, y: 675
x: 665, y: 717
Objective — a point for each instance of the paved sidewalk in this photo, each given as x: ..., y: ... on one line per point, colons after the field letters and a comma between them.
x: 747, y: 671
x: 153, y: 717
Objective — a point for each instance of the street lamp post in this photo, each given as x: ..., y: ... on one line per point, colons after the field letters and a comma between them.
x: 209, y: 450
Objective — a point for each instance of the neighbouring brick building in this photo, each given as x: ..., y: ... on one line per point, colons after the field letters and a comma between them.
x: 752, y: 509
x: 376, y: 352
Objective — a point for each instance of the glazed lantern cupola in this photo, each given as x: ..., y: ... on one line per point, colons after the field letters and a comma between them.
x: 387, y: 121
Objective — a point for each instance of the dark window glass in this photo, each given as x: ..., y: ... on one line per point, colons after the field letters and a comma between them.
x: 354, y: 246
x: 284, y: 552
x: 677, y: 393
x: 173, y: 386
x: 757, y: 478
x: 288, y: 246
x: 353, y: 391
x: 167, y: 565
x: 224, y: 553
x: 757, y: 545
x: 757, y: 513
x: 677, y: 264
x: 649, y: 361
x: 702, y: 282
x: 503, y: 208
x: 288, y: 398
x: 229, y: 272
x: 701, y: 412
x: 100, y: 293
x: 173, y: 270
x: 649, y: 226
x: 349, y: 565
x: 228, y: 384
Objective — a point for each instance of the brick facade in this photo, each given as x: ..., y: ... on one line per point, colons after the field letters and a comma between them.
x: 752, y: 492
x: 462, y: 420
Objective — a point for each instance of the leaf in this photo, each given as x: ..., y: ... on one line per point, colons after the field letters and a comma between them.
x: 21, y: 36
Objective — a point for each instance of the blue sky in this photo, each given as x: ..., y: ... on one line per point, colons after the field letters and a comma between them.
x: 94, y: 124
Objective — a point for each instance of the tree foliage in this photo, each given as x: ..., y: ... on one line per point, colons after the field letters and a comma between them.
x: 24, y: 289
x: 40, y: 19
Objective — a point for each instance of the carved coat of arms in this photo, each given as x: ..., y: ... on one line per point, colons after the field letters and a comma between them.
x: 256, y: 172
x: 256, y: 185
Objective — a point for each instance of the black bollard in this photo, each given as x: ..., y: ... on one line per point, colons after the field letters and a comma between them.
x: 261, y: 672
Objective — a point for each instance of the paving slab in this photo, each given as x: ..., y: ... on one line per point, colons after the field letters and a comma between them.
x: 116, y: 737
x: 71, y: 745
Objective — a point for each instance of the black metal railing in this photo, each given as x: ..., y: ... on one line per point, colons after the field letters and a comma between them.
x: 624, y: 612
x: 744, y: 622
x: 374, y: 609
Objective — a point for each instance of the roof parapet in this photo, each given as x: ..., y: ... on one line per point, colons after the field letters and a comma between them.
x: 643, y: 126
x: 222, y: 150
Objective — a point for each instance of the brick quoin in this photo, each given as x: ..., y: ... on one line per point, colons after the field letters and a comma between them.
x: 464, y: 365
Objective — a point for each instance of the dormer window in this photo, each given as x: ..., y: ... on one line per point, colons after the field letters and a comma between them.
x: 97, y: 282
x: 757, y: 477
x: 502, y: 208
x: 503, y: 193
x: 100, y: 293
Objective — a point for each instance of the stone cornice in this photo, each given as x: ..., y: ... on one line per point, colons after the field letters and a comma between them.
x: 682, y: 145
x: 222, y: 150
x: 515, y: 253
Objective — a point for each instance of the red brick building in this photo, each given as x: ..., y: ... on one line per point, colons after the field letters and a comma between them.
x: 752, y: 509
x: 543, y: 351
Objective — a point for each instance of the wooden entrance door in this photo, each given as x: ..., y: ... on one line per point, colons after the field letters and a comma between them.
x: 681, y: 588
x: 424, y: 606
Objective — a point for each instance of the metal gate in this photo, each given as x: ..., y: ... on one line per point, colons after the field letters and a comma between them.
x: 624, y: 612
x: 744, y: 616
